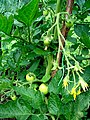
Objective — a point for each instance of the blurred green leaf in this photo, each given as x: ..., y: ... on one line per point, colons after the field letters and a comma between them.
x: 35, y: 98
x: 86, y: 75
x: 45, y: 78
x: 34, y: 66
x: 83, y: 32
x: 28, y: 12
x: 12, y: 109
x: 85, y: 51
x: 37, y: 117
x: 80, y: 3
x: 6, y: 24
x: 54, y: 86
x: 16, y: 56
x: 5, y: 84
x: 74, y: 110
x: 40, y: 51
x: 54, y: 104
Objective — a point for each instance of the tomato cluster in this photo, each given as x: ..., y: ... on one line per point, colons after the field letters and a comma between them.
x: 30, y: 77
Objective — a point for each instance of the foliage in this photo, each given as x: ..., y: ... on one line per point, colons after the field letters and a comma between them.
x: 24, y: 29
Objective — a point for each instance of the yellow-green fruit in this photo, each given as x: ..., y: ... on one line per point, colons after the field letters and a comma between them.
x: 30, y: 77
x: 13, y: 97
x: 43, y: 88
x: 69, y: 23
x: 46, y: 42
x: 45, y: 12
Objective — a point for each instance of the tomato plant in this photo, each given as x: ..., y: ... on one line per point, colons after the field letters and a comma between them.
x: 45, y: 59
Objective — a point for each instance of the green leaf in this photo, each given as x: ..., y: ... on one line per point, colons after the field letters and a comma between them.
x: 85, y: 51
x: 28, y: 12
x: 86, y: 75
x: 54, y: 105
x: 74, y: 110
x: 6, y: 24
x: 83, y: 32
x: 80, y: 3
x: 37, y: 117
x: 13, y: 109
x: 34, y: 98
x: 40, y: 51
x: 16, y: 56
x: 34, y: 66
x: 54, y: 84
x: 45, y: 78
x: 87, y: 5
x: 5, y: 84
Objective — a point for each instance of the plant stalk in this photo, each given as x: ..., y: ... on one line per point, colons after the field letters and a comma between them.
x: 64, y: 29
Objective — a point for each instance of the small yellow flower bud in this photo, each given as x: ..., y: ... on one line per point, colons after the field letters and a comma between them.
x: 65, y: 81
x: 73, y: 92
x: 78, y: 92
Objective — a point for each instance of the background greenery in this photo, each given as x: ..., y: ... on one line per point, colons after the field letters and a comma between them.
x: 22, y: 27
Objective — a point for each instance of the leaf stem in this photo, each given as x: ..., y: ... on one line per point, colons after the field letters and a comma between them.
x: 29, y: 34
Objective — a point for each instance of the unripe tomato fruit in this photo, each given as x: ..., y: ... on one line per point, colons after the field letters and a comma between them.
x: 45, y: 12
x: 30, y: 77
x: 69, y: 23
x: 46, y: 42
x: 13, y: 97
x: 43, y: 88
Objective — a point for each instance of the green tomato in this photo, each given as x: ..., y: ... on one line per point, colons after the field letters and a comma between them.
x: 45, y: 12
x: 69, y: 23
x: 46, y: 42
x: 30, y: 77
x: 13, y: 97
x: 43, y: 88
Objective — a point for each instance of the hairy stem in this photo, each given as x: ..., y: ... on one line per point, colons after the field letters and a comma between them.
x: 29, y: 33
x: 58, y: 6
x: 58, y: 10
x: 50, y: 61
x: 64, y: 29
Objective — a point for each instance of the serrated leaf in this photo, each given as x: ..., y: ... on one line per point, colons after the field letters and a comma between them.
x: 54, y: 104
x: 74, y: 110
x: 5, y: 84
x: 54, y: 84
x: 35, y: 98
x: 12, y: 109
x: 28, y: 12
x: 6, y: 24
